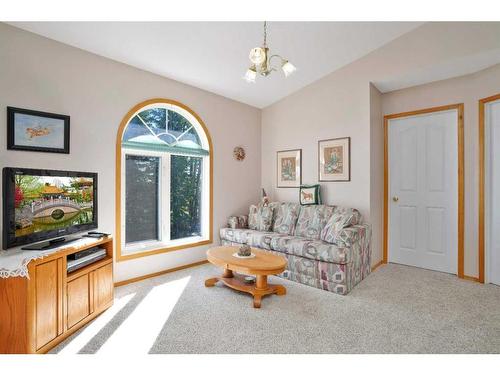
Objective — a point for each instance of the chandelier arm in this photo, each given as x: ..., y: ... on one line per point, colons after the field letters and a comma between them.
x: 281, y: 58
x: 265, y: 73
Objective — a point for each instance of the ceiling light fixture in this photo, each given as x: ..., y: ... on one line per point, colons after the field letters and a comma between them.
x: 261, y: 62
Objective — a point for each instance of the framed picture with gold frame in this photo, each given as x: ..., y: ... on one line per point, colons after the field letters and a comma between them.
x: 289, y: 168
x: 334, y: 159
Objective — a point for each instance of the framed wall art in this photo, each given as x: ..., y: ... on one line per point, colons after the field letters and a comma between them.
x: 37, y: 131
x: 289, y: 168
x: 334, y: 159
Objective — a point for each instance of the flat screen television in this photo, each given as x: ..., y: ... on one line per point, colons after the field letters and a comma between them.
x: 43, y: 204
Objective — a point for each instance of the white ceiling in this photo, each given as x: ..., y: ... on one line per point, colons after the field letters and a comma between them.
x: 214, y: 55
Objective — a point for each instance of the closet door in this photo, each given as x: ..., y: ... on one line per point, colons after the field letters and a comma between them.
x: 423, y: 190
x: 492, y: 138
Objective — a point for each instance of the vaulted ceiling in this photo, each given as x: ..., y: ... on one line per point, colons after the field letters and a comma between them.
x: 214, y: 55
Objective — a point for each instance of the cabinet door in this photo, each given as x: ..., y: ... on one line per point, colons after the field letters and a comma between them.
x: 103, y: 286
x: 78, y: 294
x: 48, y: 301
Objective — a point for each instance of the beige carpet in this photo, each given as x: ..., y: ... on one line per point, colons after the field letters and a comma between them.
x: 397, y: 309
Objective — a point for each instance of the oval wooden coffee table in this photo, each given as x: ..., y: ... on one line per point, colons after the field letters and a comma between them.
x: 262, y: 265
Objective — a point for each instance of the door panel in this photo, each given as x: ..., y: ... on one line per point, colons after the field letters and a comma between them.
x: 103, y: 286
x: 78, y: 297
x: 434, y: 155
x: 436, y: 229
x: 408, y: 159
x: 423, y: 190
x: 46, y: 302
x: 408, y: 235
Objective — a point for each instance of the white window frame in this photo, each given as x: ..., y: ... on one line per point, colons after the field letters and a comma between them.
x: 164, y: 241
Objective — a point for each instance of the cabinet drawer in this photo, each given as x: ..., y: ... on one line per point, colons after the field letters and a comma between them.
x: 78, y: 296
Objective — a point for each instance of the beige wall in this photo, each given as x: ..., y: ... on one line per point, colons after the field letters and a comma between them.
x: 322, y: 110
x: 38, y: 73
x: 468, y: 90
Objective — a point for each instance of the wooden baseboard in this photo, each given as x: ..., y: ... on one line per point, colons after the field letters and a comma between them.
x: 465, y: 277
x: 148, y: 276
x: 170, y: 270
x: 471, y: 278
x: 377, y: 265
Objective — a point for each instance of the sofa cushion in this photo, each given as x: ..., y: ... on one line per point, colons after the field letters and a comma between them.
x: 311, y: 249
x: 286, y: 218
x: 260, y: 218
x: 341, y: 218
x: 312, y: 220
x: 248, y: 236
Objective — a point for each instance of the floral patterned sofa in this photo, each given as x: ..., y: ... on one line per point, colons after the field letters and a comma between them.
x: 327, y: 247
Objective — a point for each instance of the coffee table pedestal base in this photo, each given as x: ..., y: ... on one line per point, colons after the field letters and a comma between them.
x: 258, y: 290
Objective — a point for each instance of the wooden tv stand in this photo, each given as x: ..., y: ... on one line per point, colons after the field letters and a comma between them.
x: 38, y: 313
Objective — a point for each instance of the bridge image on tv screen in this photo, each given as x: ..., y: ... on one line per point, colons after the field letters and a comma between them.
x: 47, y: 203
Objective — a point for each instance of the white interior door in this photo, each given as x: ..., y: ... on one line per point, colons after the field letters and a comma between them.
x: 492, y: 203
x: 423, y: 190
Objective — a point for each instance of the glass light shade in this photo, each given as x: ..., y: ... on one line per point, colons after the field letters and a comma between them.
x: 250, y: 75
x: 257, y: 55
x: 288, y: 68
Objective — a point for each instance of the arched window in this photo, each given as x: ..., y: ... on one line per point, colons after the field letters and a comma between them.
x: 164, y: 180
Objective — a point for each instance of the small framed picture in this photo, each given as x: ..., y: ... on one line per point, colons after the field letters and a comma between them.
x: 289, y: 171
x: 334, y: 159
x: 37, y: 131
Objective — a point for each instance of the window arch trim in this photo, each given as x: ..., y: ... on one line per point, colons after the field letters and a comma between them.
x: 118, y: 177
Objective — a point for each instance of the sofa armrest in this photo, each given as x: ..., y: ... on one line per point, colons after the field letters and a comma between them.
x: 238, y: 222
x: 361, y: 247
x: 350, y: 235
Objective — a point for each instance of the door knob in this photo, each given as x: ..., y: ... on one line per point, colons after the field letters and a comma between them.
x: 395, y: 198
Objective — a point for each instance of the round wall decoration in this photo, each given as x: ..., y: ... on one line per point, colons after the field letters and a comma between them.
x: 239, y: 153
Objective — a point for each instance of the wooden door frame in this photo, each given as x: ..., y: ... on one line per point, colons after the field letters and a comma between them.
x: 482, y: 179
x: 460, y: 130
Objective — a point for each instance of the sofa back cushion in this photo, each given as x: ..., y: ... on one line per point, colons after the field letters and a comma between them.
x: 260, y: 218
x: 274, y: 206
x: 285, y: 218
x: 312, y: 219
x: 341, y: 218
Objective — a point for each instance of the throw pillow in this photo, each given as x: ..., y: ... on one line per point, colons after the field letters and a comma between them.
x: 238, y: 222
x: 337, y: 222
x: 252, y: 217
x: 309, y: 194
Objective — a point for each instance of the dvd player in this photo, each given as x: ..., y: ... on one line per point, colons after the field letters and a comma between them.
x: 76, y: 264
x: 83, y: 253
